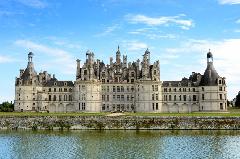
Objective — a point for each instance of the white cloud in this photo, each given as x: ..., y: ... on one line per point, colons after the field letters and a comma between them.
x: 33, y: 3
x: 229, y: 1
x: 134, y: 45
x: 108, y: 30
x: 152, y: 33
x: 159, y: 21
x: 226, y: 58
x: 238, y: 21
x: 6, y: 59
x: 61, y: 59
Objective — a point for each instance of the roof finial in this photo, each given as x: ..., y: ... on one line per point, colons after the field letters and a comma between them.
x: 118, y: 48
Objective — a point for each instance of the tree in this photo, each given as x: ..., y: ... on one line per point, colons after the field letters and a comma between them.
x: 7, y: 107
x: 237, y: 103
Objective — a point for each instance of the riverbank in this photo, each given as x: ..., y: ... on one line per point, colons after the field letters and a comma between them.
x: 119, y: 122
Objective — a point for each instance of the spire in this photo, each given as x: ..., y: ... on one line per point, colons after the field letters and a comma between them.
x: 30, y: 56
x: 118, y: 56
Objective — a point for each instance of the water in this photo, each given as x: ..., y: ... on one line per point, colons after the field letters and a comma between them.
x: 119, y: 144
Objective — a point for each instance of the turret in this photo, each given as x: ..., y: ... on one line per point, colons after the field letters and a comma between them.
x: 210, y: 75
x: 118, y: 56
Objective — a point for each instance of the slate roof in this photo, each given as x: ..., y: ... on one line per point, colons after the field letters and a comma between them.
x: 210, y: 76
x: 52, y: 82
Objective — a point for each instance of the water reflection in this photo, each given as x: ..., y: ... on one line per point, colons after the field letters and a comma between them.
x: 119, y: 144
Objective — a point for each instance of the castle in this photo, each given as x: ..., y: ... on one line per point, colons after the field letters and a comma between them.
x: 120, y: 86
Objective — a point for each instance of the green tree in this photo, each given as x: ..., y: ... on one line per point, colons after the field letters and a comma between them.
x: 237, y: 103
x: 7, y: 107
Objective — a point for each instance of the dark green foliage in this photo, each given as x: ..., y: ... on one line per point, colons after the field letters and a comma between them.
x: 238, y: 100
x: 7, y: 107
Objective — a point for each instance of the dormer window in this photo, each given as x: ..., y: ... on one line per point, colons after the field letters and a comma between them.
x: 179, y: 84
x: 132, y: 74
x: 55, y: 83
x: 155, y: 72
x: 189, y: 84
x: 65, y: 83
x: 219, y: 81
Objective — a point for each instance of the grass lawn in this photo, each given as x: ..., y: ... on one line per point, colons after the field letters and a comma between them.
x: 231, y: 113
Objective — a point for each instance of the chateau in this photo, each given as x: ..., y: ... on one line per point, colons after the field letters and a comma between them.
x: 120, y: 86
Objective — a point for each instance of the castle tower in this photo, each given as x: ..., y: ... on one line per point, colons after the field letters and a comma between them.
x: 212, y: 89
x: 27, y: 86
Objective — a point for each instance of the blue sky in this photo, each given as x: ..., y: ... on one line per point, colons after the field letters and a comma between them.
x: 177, y: 32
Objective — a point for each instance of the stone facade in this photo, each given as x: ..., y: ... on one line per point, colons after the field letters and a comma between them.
x: 120, y: 86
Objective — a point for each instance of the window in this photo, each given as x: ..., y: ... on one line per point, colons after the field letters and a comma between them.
x: 203, y: 97
x: 155, y: 72
x: 60, y: 97
x: 128, y: 88
x: 156, y: 96
x: 132, y: 88
x: 132, y: 74
x: 107, y: 88
x: 153, y: 88
x: 114, y: 89
x: 107, y: 97
x: 165, y: 89
x: 152, y: 96
x: 132, y: 80
x: 175, y: 97
x: 170, y: 90
x: 180, y: 98
x: 118, y: 97
x: 55, y: 89
x: 221, y: 106
x: 103, y: 97
x: 103, y: 107
x: 128, y: 97
x: 193, y: 89
x: 49, y: 90
x: 184, y: 98
x: 85, y: 72
x: 118, y: 88
x: 122, y: 89
x: 70, y: 98
x: 153, y: 106
x: 220, y: 89
x: 122, y: 97
x: 194, y: 98
x: 49, y: 98
x: 220, y: 81
x: 169, y: 97
x: 156, y: 106
x: 83, y: 106
x: 220, y: 95
x: 156, y: 87
x: 175, y: 89
x: 202, y: 88
x: 103, y: 80
x: 114, y: 97
x: 54, y: 98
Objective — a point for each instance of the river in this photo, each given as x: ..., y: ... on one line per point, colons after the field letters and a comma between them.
x: 119, y: 144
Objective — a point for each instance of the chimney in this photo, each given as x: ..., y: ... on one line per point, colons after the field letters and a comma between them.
x: 78, y: 69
